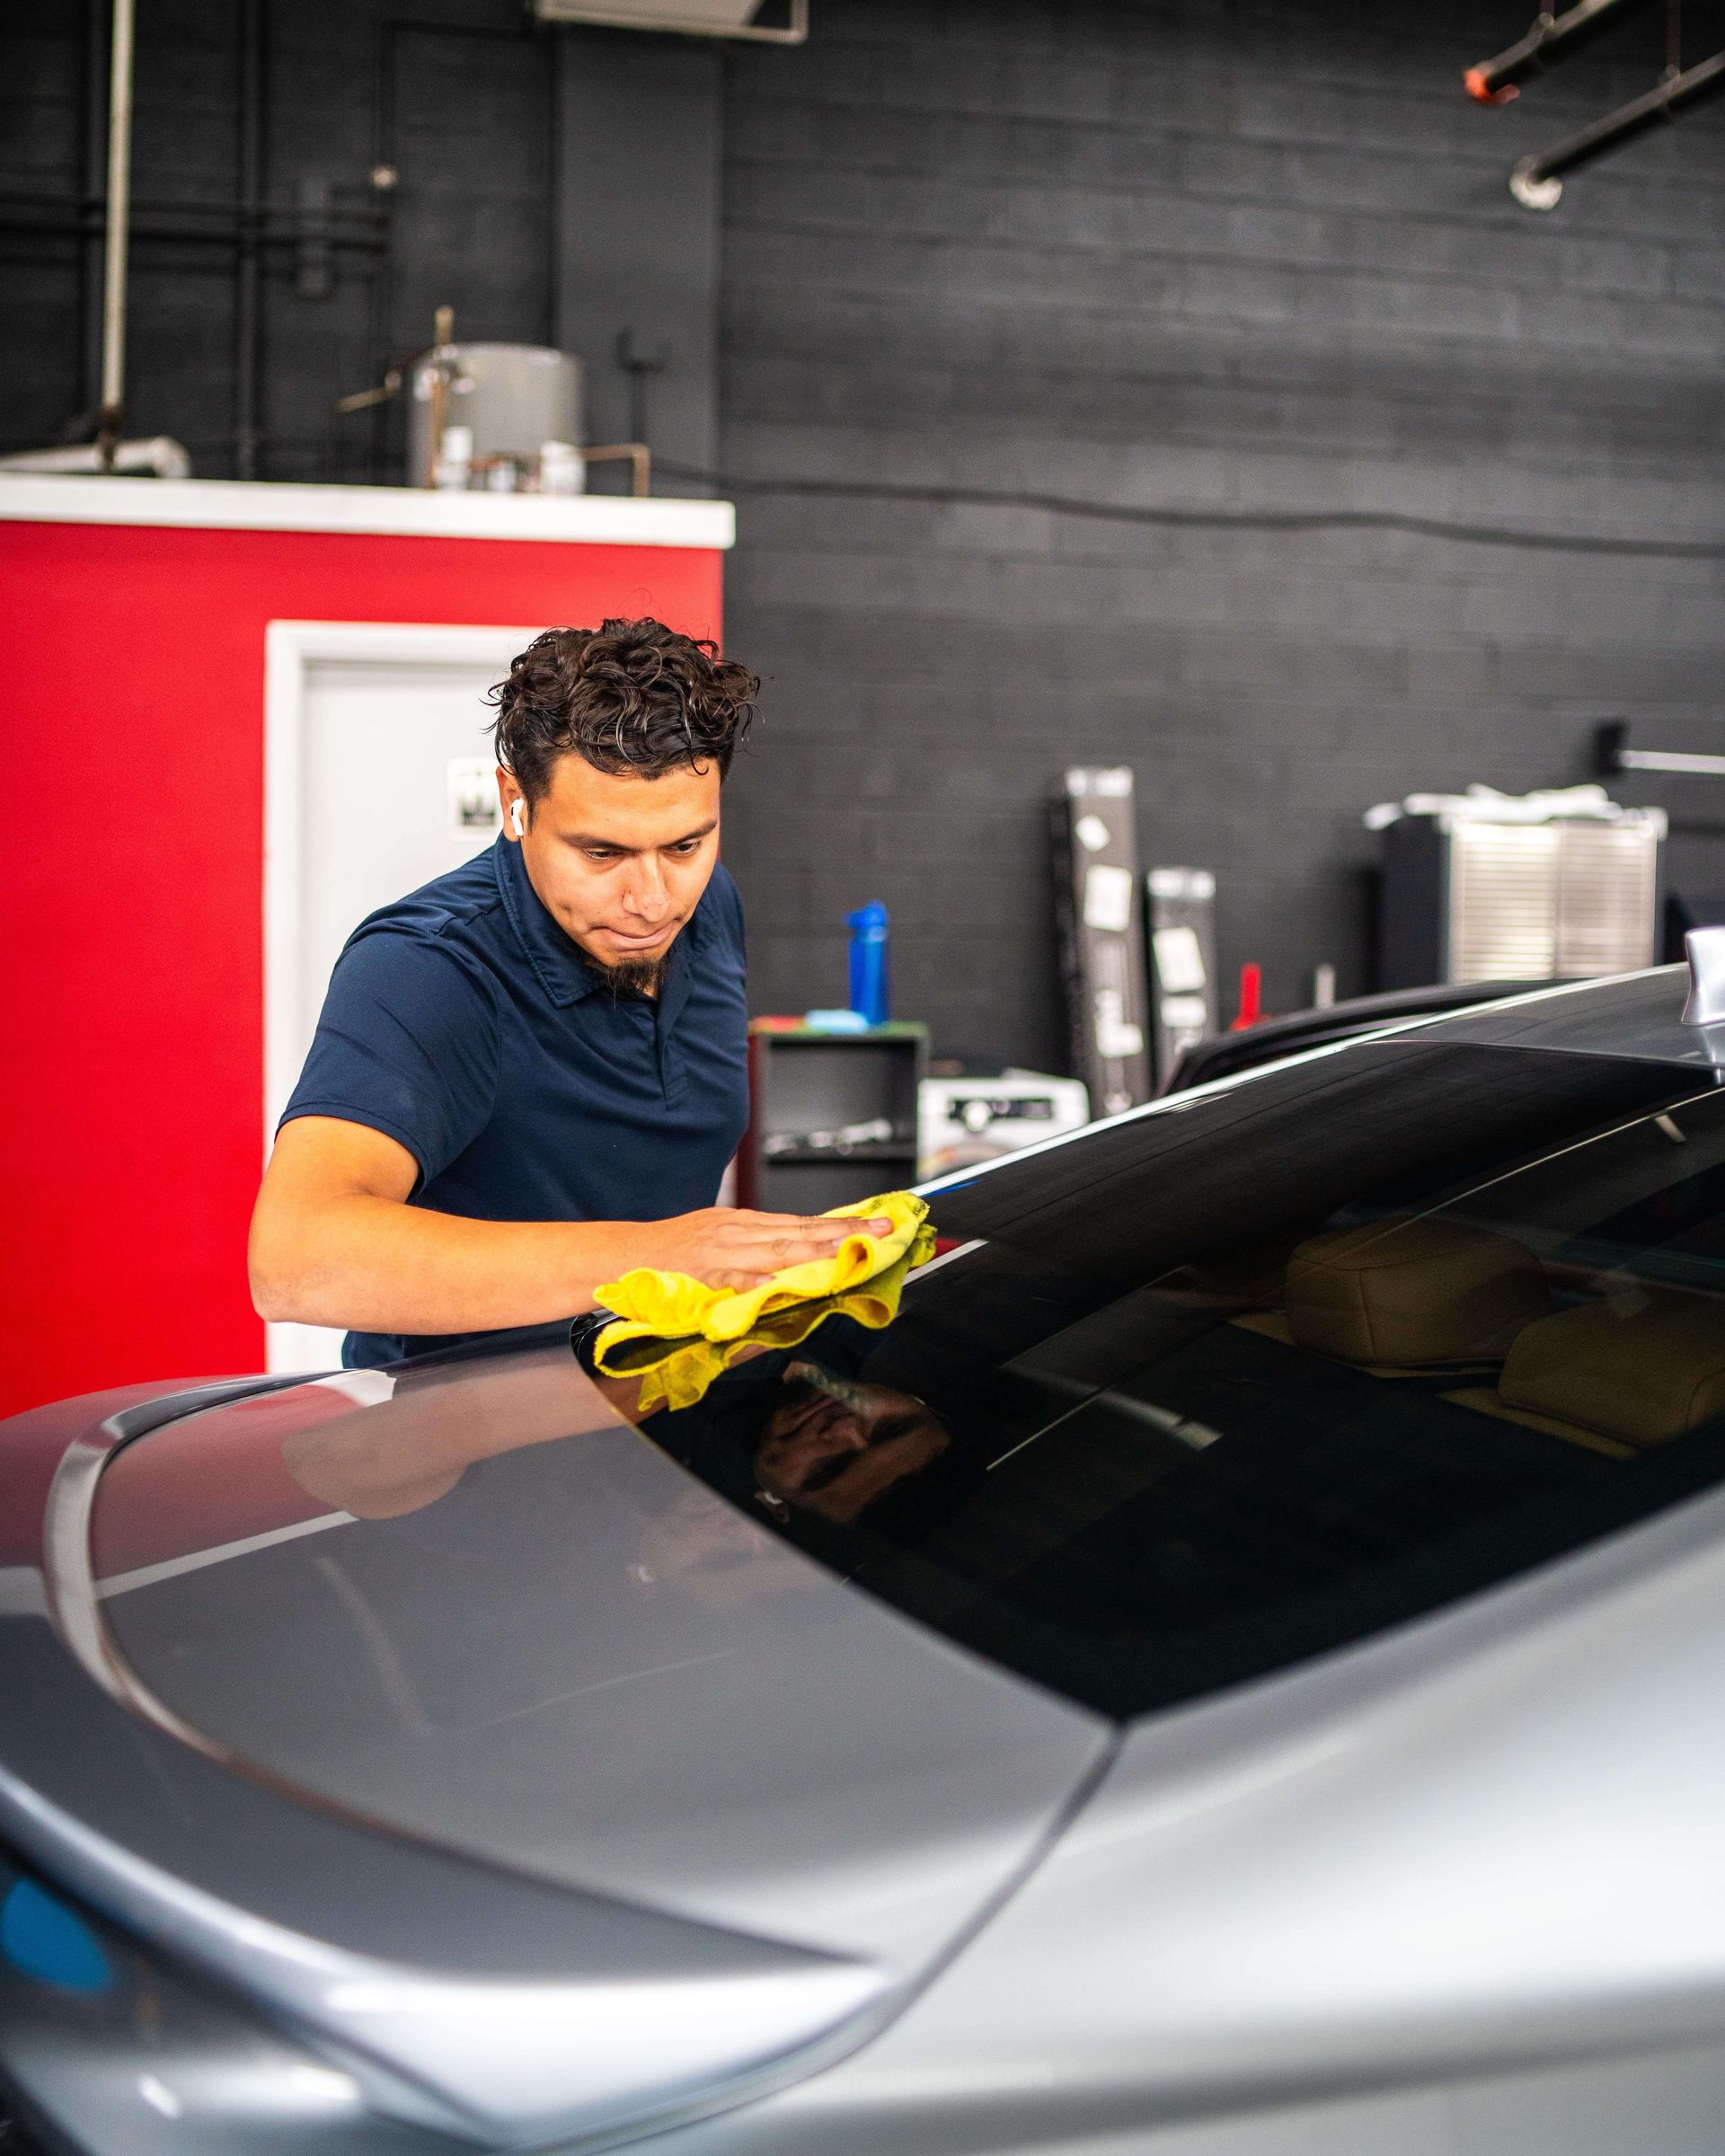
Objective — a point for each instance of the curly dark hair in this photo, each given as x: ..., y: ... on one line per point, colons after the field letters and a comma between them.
x: 628, y: 696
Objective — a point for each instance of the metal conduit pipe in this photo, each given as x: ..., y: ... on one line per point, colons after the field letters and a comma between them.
x: 640, y: 458
x: 75, y: 216
x: 95, y: 181
x: 160, y: 457
x: 249, y: 277
x: 1553, y: 38
x: 1538, y: 182
x: 112, y: 415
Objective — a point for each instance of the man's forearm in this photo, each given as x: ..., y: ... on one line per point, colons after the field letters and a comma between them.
x: 372, y: 1264
x: 334, y: 1243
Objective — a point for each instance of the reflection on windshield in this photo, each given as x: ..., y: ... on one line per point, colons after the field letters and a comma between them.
x: 833, y: 1446
x: 677, y: 1372
x: 788, y: 1433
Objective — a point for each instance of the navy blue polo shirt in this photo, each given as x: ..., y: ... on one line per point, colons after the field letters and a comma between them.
x: 463, y: 1022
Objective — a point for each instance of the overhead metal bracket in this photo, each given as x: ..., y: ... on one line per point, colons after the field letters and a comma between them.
x: 1551, y: 39
x: 687, y: 18
x: 1538, y: 182
x: 1611, y: 756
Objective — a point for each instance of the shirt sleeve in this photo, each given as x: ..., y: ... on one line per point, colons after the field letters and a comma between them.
x: 408, y: 1045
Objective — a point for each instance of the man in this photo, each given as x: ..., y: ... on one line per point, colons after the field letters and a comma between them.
x: 528, y: 1076
x: 834, y: 1445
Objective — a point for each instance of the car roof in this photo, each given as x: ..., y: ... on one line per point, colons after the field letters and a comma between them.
x: 1222, y: 1055
x: 1637, y: 1015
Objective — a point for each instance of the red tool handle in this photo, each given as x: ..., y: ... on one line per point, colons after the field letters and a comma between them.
x: 1251, y: 981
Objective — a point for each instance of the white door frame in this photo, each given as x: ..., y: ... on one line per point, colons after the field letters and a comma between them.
x: 290, y: 649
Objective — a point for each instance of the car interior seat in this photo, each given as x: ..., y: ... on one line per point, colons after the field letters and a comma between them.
x: 1408, y: 1297
x: 1464, y: 1315
x: 1620, y: 1375
x: 1434, y: 1298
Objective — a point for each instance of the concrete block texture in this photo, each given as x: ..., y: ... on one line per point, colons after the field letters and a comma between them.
x: 460, y: 99
x: 1239, y: 258
x: 927, y: 287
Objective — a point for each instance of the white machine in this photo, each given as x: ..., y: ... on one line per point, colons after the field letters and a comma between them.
x: 963, y: 1121
x: 1483, y: 886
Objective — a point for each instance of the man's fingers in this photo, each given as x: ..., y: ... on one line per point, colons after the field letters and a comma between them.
x: 819, y: 1227
x: 750, y: 1248
x: 873, y: 1225
x: 793, y: 1249
x: 735, y: 1273
x: 774, y: 1227
x: 773, y: 1253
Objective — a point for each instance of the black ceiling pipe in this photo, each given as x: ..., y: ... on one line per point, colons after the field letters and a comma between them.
x: 1552, y: 39
x: 1538, y: 182
x: 248, y: 274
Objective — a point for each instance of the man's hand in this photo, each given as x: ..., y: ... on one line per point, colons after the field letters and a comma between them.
x: 725, y: 1247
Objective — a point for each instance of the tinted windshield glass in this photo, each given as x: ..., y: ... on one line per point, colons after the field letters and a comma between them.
x: 1258, y: 1374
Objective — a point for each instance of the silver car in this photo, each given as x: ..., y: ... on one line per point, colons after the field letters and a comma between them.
x: 1234, y: 1669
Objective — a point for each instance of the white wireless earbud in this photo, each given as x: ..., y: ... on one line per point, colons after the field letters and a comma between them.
x: 516, y: 824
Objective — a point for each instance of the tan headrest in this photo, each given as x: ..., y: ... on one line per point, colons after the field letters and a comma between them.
x: 1639, y: 1375
x: 1401, y: 1295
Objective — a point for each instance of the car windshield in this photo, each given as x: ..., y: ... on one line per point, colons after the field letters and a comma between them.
x: 1207, y: 1391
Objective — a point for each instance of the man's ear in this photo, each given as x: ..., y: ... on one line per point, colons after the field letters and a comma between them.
x: 516, y: 817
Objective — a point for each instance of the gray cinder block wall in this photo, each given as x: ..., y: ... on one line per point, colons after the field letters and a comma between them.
x: 551, y: 185
x: 1239, y: 255
x: 1252, y: 257
x: 458, y: 98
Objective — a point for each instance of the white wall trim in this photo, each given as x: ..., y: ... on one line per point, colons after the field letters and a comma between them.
x: 291, y: 648
x: 276, y: 506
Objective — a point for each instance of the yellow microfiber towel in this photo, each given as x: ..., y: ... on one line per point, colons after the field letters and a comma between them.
x: 676, y: 1310
x: 677, y: 1373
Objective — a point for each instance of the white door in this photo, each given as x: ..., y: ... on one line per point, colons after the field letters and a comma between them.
x: 378, y: 777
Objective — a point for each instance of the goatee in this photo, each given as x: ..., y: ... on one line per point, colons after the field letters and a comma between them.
x: 633, y: 976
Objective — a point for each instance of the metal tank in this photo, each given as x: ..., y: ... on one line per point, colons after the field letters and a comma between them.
x: 510, y: 398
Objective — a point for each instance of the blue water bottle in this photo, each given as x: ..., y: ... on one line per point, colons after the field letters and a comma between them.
x: 871, y: 990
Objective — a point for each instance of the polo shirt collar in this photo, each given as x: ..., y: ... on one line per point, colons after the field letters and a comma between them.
x: 558, y: 961
x: 564, y: 973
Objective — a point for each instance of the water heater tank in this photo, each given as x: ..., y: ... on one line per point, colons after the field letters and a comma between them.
x: 513, y: 397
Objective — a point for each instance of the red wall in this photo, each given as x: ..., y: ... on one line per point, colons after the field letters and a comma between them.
x: 131, y: 877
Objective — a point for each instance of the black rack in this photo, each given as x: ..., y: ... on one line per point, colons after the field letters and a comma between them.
x: 832, y: 1116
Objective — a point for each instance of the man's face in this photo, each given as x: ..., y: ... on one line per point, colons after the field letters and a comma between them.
x: 833, y: 1446
x: 620, y: 862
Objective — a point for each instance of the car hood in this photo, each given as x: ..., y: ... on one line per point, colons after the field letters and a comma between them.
x: 476, y: 1606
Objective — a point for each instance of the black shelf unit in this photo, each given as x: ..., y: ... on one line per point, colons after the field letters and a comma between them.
x: 806, y: 1084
